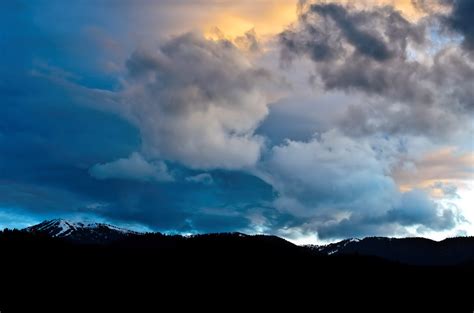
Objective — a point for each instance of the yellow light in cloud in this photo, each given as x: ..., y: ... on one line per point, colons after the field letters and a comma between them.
x: 269, y: 17
x: 230, y: 26
x: 266, y: 17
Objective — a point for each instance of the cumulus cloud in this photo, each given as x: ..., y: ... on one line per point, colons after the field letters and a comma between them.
x: 197, y: 102
x: 135, y: 167
x: 338, y: 186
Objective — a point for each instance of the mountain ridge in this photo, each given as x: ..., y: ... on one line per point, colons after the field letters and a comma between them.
x: 411, y: 250
x: 211, y: 266
x: 414, y: 250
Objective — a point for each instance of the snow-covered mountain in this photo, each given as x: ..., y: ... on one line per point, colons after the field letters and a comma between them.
x: 81, y: 232
x: 334, y: 248
x: 419, y: 251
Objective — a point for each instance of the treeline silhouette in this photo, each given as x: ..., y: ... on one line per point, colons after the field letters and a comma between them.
x: 228, y: 272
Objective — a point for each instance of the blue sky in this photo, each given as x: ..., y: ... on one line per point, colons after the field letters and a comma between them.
x: 215, y: 116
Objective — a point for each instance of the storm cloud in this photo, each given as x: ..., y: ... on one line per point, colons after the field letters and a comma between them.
x: 356, y: 49
x: 405, y: 82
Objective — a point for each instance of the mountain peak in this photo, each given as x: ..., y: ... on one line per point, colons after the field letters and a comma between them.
x: 80, y: 231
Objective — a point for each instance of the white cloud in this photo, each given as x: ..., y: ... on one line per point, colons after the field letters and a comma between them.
x: 203, y: 178
x: 339, y: 186
x: 135, y: 167
x: 197, y: 102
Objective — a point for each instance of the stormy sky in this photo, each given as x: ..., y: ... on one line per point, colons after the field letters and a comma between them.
x: 311, y: 120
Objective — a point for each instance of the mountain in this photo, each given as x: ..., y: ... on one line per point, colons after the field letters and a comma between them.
x: 47, y: 262
x: 81, y: 232
x: 416, y: 251
x: 413, y: 251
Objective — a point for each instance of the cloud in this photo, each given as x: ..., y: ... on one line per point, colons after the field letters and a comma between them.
x: 402, y: 75
x: 413, y: 209
x: 298, y: 118
x: 442, y: 190
x: 248, y: 41
x: 203, y: 178
x: 134, y: 167
x: 92, y: 125
x: 197, y: 102
x: 365, y: 42
x: 441, y: 166
x: 337, y: 186
x: 460, y: 20
x: 54, y: 133
x: 356, y: 49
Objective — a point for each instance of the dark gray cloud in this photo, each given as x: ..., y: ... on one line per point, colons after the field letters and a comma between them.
x: 365, y: 42
x: 401, y: 78
x: 363, y: 50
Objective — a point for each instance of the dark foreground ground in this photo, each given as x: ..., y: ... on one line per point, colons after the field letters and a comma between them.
x: 224, y: 273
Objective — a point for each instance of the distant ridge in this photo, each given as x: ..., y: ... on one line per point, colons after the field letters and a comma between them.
x: 414, y: 251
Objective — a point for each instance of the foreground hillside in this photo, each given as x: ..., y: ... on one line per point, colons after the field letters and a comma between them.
x: 243, y: 272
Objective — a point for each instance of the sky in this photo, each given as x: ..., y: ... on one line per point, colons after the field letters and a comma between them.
x: 311, y: 120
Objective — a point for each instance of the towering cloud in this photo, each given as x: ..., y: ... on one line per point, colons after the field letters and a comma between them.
x: 196, y: 101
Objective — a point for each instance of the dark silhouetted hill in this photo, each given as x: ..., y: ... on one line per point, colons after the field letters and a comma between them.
x: 219, y: 272
x: 417, y: 251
